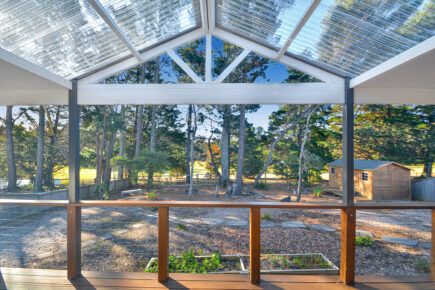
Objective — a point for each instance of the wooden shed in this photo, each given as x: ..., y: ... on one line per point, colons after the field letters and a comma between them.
x: 375, y: 180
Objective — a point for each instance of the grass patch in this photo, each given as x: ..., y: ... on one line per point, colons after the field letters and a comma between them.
x: 181, y: 227
x: 364, y: 241
x: 297, y: 262
x: 266, y: 217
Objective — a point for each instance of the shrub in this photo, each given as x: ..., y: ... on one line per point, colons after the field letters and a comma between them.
x: 154, y: 209
x: 421, y: 266
x: 317, y: 191
x: 364, y: 241
x: 261, y: 185
x: 181, y: 227
x: 151, y: 195
x: 266, y: 217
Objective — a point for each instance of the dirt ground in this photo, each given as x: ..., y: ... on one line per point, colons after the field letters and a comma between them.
x: 125, y: 239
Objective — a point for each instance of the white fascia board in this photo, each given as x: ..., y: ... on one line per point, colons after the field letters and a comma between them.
x: 115, y: 28
x: 147, y: 55
x: 310, y: 10
x: 285, y: 59
x: 419, y: 50
x: 210, y: 93
x: 33, y: 68
x: 33, y: 97
x: 394, y: 96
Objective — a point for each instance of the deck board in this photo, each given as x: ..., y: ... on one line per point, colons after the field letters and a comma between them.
x: 14, y: 278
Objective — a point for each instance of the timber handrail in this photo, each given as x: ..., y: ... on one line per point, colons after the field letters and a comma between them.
x: 217, y: 204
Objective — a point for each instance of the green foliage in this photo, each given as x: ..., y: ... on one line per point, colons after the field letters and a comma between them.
x: 299, y: 262
x: 152, y: 195
x: 266, y: 217
x: 188, y: 263
x: 318, y: 190
x: 364, y: 241
x: 261, y: 185
x: 154, y: 209
x: 102, y: 190
x: 181, y: 227
x: 422, y: 266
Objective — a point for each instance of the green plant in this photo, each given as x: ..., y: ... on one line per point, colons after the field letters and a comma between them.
x: 189, y: 263
x: 422, y: 266
x: 154, y: 209
x: 266, y: 217
x: 317, y: 191
x: 261, y: 185
x: 181, y: 227
x: 364, y: 241
x: 152, y: 195
x: 102, y: 190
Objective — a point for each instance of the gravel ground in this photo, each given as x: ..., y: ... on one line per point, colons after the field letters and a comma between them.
x: 125, y: 239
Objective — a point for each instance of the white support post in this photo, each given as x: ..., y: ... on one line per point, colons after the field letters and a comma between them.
x: 211, y: 15
x: 208, y: 58
x: 204, y: 15
x: 115, y: 28
x: 232, y: 66
x: 184, y: 66
x: 298, y: 28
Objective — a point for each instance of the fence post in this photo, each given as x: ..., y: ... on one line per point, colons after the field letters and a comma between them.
x: 432, y: 256
x: 254, y: 245
x: 163, y: 240
x: 347, y: 264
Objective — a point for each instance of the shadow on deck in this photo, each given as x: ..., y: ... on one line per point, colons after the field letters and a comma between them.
x: 14, y: 278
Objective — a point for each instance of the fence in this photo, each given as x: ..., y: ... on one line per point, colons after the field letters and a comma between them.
x: 174, y: 180
x: 423, y: 190
x: 86, y: 192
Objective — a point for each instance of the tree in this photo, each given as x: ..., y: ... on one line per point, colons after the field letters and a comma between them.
x: 12, y: 170
x: 241, y: 151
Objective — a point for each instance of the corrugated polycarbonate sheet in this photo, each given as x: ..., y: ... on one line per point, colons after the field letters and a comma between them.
x: 355, y: 36
x: 267, y: 21
x: 147, y: 22
x: 66, y: 37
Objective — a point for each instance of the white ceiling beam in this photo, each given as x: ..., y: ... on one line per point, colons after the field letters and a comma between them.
x: 184, y: 66
x: 115, y: 28
x: 285, y: 59
x: 147, y: 55
x: 406, y: 96
x: 33, y: 68
x: 310, y: 10
x: 208, y: 58
x: 408, y: 55
x: 232, y: 66
x: 210, y: 93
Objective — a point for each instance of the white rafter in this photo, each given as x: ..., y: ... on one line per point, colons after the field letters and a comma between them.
x: 211, y: 15
x: 298, y: 28
x: 204, y: 15
x: 115, y: 28
x: 208, y: 58
x: 232, y: 65
x: 184, y: 66
x: 270, y: 53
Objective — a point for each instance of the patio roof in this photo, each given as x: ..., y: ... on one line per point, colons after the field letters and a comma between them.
x: 330, y: 40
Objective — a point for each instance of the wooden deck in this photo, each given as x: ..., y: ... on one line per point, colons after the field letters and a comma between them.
x: 13, y: 278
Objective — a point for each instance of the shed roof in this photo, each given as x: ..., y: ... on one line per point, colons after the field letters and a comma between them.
x: 368, y: 165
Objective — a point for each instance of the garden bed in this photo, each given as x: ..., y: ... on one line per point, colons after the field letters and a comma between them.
x: 313, y: 263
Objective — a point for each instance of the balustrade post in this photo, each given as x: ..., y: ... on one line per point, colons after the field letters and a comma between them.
x: 163, y: 240
x: 254, y: 245
x: 432, y: 256
x: 347, y: 264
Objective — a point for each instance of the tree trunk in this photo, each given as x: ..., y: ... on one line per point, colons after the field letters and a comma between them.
x: 287, y: 127
x: 213, y: 162
x: 102, y: 147
x: 109, y: 154
x: 152, y: 140
x: 51, y: 158
x: 192, y: 149
x: 12, y: 170
x: 121, y: 143
x: 225, y: 145
x: 40, y: 152
x: 301, y: 156
x: 188, y: 142
x: 241, y: 151
x: 139, y: 127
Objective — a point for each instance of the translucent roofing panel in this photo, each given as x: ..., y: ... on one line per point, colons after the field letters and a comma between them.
x: 147, y: 22
x: 354, y: 36
x: 66, y: 37
x: 270, y: 22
